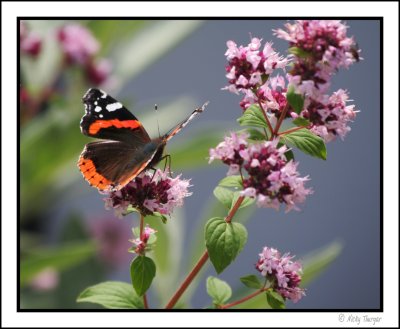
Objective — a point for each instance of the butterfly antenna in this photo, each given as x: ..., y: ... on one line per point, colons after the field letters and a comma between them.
x: 158, y: 126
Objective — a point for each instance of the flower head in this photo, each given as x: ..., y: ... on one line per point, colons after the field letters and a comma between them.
x: 150, y: 193
x: 30, y: 42
x: 325, y: 48
x: 78, y: 43
x: 330, y: 115
x: 250, y: 66
x: 98, y: 72
x: 140, y: 243
x: 270, y: 178
x: 283, y: 273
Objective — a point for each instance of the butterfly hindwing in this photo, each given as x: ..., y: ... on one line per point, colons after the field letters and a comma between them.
x: 109, y: 165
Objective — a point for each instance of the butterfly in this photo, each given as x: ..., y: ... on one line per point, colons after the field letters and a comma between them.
x: 125, y: 148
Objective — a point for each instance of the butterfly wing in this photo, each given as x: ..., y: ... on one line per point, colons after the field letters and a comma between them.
x: 127, y: 149
x: 110, y: 165
x: 182, y: 124
x: 106, y: 118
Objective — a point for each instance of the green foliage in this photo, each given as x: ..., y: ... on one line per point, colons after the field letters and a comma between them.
x: 296, y: 101
x: 253, y: 117
x: 113, y: 295
x: 224, y: 241
x: 218, y: 290
x: 318, y: 261
x: 299, y: 52
x: 251, y: 281
x: 231, y: 181
x: 275, y: 300
x: 254, y: 134
x: 143, y: 271
x: 301, y: 122
x: 60, y: 258
x: 224, y: 195
x: 306, y: 142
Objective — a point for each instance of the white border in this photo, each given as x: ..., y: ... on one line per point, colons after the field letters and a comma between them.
x: 10, y: 10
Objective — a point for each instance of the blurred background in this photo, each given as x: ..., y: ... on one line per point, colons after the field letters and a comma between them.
x: 68, y: 241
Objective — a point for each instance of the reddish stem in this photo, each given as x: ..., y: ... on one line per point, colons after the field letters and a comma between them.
x: 291, y: 130
x: 145, y: 303
x: 203, y: 259
x: 242, y: 300
x: 188, y: 280
x: 280, y: 120
x: 265, y: 117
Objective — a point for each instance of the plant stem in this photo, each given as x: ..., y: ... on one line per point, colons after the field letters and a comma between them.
x: 265, y: 117
x: 280, y: 120
x: 291, y: 130
x: 188, y: 280
x: 242, y: 300
x: 145, y: 304
x: 200, y: 263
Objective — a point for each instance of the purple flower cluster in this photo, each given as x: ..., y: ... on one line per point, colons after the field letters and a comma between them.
x: 283, y: 273
x: 29, y: 41
x: 325, y: 48
x: 250, y: 66
x: 149, y: 193
x: 80, y: 47
x: 140, y: 243
x: 270, y: 178
x: 330, y: 115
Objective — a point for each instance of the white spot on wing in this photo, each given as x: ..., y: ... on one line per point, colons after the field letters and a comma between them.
x: 113, y: 106
x: 100, y: 115
x: 97, y: 109
x: 104, y: 94
x: 95, y: 103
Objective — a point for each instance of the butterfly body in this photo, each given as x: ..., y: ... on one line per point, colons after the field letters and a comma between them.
x: 125, y: 148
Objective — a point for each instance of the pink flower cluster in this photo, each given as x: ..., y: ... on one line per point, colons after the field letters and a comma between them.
x: 283, y: 273
x: 149, y: 193
x: 140, y: 243
x: 330, y: 115
x: 79, y: 47
x: 250, y: 66
x: 29, y: 41
x: 270, y: 178
x: 325, y: 48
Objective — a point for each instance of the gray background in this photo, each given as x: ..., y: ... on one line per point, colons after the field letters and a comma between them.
x: 345, y: 205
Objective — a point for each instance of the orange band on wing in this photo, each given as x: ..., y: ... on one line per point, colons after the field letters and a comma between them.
x: 100, y: 124
x: 88, y: 170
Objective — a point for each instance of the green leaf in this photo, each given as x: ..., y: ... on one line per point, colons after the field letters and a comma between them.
x: 61, y: 258
x: 299, y: 52
x: 163, y: 218
x: 219, y: 290
x: 143, y: 271
x: 245, y: 203
x: 255, y: 134
x: 318, y: 261
x: 251, y: 281
x: 224, y: 241
x: 253, y: 117
x: 231, y: 181
x: 112, y: 294
x: 275, y: 300
x: 306, y: 142
x: 295, y: 100
x: 301, y: 122
x: 224, y: 195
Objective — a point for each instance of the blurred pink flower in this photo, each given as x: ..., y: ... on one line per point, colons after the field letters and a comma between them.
x: 78, y: 43
x: 112, y: 237
x: 45, y: 280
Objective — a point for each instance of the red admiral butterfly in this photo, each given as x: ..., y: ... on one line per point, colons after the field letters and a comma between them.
x: 127, y: 150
